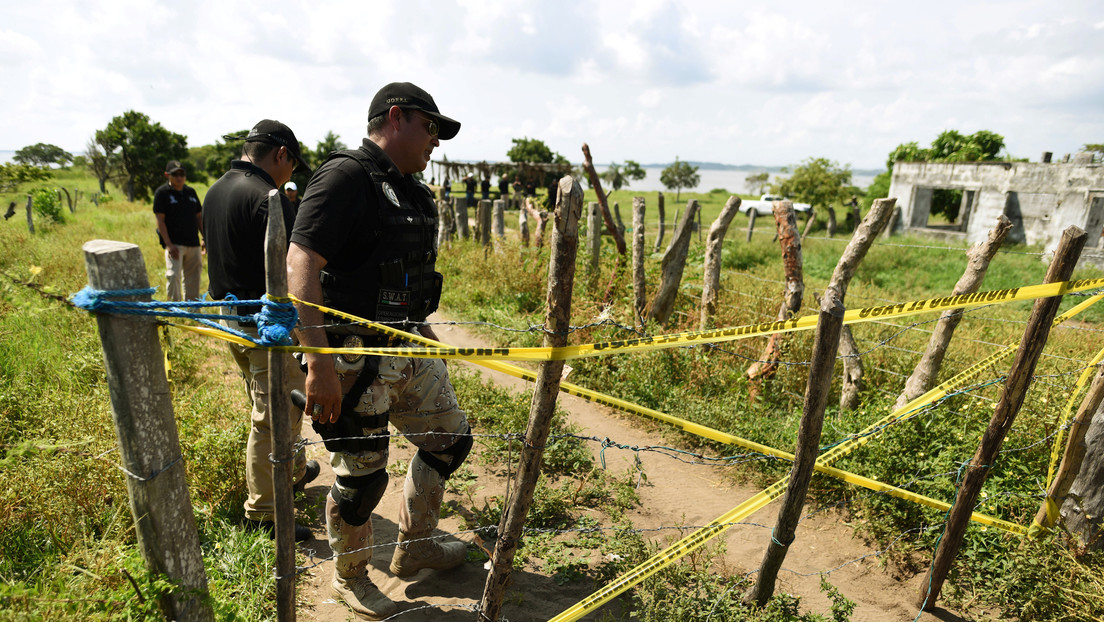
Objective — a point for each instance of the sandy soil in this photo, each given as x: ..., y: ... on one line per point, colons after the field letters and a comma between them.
x: 675, y: 493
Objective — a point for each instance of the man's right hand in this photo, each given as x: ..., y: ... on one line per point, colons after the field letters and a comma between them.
x: 323, y: 389
x: 174, y: 252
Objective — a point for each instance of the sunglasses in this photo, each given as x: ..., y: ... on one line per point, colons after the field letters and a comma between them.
x: 433, y: 128
x: 177, y: 174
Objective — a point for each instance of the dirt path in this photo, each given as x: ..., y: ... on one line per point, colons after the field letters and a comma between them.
x: 676, y: 493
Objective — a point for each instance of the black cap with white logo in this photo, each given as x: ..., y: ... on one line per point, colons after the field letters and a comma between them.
x: 410, y: 97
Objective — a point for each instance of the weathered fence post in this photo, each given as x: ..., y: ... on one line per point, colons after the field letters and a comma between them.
x: 278, y: 408
x: 561, y: 277
x: 523, y: 226
x: 617, y: 218
x: 30, y: 219
x: 1083, y: 509
x: 594, y: 235
x: 1074, y: 455
x: 592, y: 175
x: 978, y: 258
x: 751, y: 223
x: 889, y: 230
x: 809, y: 223
x: 816, y: 397
x: 1012, y: 398
x: 500, y: 219
x: 712, y: 269
x: 446, y: 226
x: 662, y: 224
x: 69, y: 200
x: 639, y: 285
x: 831, y: 221
x: 486, y: 218
x: 786, y: 226
x: 541, y: 220
x: 149, y: 448
x: 461, y: 208
x: 674, y: 262
x: 852, y: 370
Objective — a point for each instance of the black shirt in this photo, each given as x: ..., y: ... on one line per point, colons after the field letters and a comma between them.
x: 180, y: 208
x: 235, y: 226
x: 335, y: 218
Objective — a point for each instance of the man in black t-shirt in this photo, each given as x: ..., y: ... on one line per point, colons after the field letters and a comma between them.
x: 236, y: 224
x: 364, y: 243
x: 292, y: 193
x: 179, y: 221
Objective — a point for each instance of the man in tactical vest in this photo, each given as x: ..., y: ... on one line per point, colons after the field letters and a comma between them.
x: 364, y: 242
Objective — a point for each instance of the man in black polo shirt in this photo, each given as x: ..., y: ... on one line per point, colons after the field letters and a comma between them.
x: 364, y: 243
x: 179, y: 221
x: 236, y: 223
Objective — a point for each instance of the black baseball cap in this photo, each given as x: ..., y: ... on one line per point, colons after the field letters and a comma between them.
x: 410, y: 97
x: 276, y: 133
x: 173, y: 166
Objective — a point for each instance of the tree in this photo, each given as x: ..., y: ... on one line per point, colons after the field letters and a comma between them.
x: 757, y: 182
x: 143, y: 148
x: 619, y: 176
x: 102, y: 165
x: 13, y: 174
x: 330, y: 143
x: 533, y: 150
x: 43, y: 155
x: 678, y: 176
x: 1097, y: 148
x: 817, y: 181
x: 949, y: 146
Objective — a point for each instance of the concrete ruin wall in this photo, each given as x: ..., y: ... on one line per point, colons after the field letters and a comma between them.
x: 1040, y: 199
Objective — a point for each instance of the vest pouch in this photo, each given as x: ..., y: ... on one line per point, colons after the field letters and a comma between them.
x: 433, y: 297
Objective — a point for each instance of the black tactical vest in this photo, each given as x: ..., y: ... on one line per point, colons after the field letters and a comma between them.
x: 396, y: 281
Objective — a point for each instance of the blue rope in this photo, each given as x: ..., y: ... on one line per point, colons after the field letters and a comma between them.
x: 274, y: 322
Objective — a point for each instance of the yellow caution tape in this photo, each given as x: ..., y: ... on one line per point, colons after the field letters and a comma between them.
x: 761, y: 499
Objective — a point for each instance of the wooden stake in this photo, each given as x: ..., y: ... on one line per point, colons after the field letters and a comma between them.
x: 1012, y: 397
x: 927, y: 370
x: 712, y: 270
x: 1074, y: 455
x: 816, y: 396
x: 500, y: 219
x: 751, y: 223
x: 639, y: 285
x: 831, y: 221
x: 149, y: 448
x: 662, y: 224
x: 278, y: 409
x: 30, y: 219
x: 461, y: 207
x: 673, y: 264
x: 594, y: 235
x: 561, y: 277
x: 592, y: 175
x: 786, y: 225
x: 852, y: 370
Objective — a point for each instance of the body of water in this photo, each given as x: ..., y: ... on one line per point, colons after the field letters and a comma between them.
x: 734, y: 181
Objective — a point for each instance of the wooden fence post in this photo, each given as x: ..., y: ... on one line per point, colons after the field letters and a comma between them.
x: 446, y: 225
x: 1012, y: 398
x: 461, y: 210
x: 500, y: 219
x: 890, y: 228
x: 278, y: 408
x: 639, y: 285
x: 594, y: 235
x: 751, y: 223
x: 662, y: 224
x: 786, y: 226
x: 523, y: 226
x: 561, y: 277
x: 149, y: 447
x: 712, y: 269
x: 831, y: 221
x: 486, y: 217
x: 809, y: 223
x: 30, y: 219
x: 978, y: 258
x: 617, y: 218
x: 1073, y: 457
x: 592, y: 174
x: 673, y: 264
x: 816, y: 397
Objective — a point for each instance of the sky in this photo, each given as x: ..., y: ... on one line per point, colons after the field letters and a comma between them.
x: 770, y: 84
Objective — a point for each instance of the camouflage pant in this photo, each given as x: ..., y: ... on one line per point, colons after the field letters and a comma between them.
x: 421, y: 403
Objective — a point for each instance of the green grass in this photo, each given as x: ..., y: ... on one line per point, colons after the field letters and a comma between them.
x: 66, y: 535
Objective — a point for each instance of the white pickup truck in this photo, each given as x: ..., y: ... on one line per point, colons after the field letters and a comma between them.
x: 763, y: 207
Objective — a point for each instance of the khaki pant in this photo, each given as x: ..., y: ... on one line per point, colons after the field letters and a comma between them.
x: 422, y: 405
x: 253, y: 362
x: 188, y: 265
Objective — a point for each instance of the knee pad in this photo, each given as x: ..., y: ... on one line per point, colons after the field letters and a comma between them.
x: 446, y: 462
x: 356, y: 507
